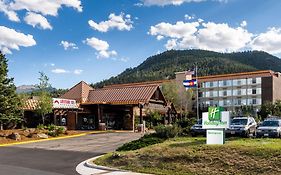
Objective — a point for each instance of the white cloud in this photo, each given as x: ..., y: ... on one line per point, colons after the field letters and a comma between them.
x: 68, y: 45
x: 221, y: 37
x: 38, y: 20
x: 45, y: 7
x: 124, y: 59
x: 169, y: 2
x: 159, y: 37
x: 178, y: 30
x: 11, y: 39
x: 59, y: 71
x: 64, y: 71
x: 101, y: 46
x: 77, y: 71
x: 120, y: 22
x: 210, y: 36
x: 5, y: 8
x: 270, y: 41
x: 52, y: 64
x: 188, y: 17
x: 243, y: 23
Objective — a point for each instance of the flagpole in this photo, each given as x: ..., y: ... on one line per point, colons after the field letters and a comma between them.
x: 197, y: 93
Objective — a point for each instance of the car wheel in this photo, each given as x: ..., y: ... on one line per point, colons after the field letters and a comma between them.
x: 247, y: 134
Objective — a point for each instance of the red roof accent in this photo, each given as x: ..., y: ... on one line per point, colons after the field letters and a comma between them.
x: 30, y: 104
x: 79, y: 92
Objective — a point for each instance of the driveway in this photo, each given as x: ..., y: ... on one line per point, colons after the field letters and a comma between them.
x: 58, y: 157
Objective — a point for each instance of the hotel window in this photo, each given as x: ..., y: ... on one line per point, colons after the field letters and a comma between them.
x: 225, y: 93
x: 254, y: 91
x: 250, y: 101
x: 235, y: 83
x: 207, y: 84
x: 243, y: 82
x: 224, y: 102
x: 254, y: 101
x: 254, y: 80
x: 207, y: 94
x: 239, y: 101
x: 239, y: 82
x: 243, y: 101
x: 258, y: 80
x: 211, y: 93
x: 239, y: 92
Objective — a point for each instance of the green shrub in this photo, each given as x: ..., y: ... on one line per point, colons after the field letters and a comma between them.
x: 60, y: 130
x: 52, y: 133
x: 186, y: 122
x: 40, y: 126
x: 51, y: 127
x: 167, y: 131
x: 140, y: 143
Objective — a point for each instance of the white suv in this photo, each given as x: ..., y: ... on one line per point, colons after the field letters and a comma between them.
x: 242, y: 126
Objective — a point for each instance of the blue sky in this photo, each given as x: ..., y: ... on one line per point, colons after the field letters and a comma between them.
x: 57, y: 37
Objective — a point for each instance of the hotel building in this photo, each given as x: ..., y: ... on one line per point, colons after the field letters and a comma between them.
x: 232, y: 91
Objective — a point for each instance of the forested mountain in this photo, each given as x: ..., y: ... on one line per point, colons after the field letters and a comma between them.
x: 164, y: 65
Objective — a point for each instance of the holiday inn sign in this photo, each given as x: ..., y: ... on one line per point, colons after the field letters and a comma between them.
x: 215, y: 121
x: 215, y: 118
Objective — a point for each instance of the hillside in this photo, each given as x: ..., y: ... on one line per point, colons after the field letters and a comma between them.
x: 164, y: 65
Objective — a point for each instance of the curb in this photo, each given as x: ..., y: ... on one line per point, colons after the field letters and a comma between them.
x: 89, y: 163
x: 55, y: 138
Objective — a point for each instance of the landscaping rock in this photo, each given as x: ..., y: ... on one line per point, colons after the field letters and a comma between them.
x: 15, y: 136
x: 42, y: 136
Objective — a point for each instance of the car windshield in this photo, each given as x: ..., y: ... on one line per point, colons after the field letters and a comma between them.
x: 239, y: 121
x: 270, y: 123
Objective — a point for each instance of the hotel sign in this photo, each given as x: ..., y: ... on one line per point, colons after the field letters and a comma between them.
x: 215, y: 121
x: 64, y: 103
x: 216, y: 118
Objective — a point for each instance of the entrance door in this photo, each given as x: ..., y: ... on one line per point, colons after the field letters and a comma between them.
x: 71, y: 120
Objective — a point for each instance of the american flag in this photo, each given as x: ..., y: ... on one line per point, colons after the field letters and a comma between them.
x: 190, y: 83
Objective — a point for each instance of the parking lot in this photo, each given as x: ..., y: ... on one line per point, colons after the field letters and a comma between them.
x: 58, y: 157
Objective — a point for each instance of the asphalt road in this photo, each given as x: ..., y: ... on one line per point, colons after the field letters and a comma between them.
x: 58, y: 157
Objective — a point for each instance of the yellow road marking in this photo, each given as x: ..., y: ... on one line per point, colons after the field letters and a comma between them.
x: 55, y: 138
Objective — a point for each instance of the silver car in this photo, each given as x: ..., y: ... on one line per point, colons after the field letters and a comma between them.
x: 270, y: 128
x: 242, y: 126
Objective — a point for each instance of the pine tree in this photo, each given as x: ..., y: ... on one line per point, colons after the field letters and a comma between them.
x: 10, y: 103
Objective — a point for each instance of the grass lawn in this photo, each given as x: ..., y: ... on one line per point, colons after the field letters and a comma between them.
x: 185, y: 155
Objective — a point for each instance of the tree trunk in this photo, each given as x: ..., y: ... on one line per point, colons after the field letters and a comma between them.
x: 43, y: 119
x: 1, y: 126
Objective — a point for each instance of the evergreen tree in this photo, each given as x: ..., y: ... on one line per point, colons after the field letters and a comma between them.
x: 10, y: 104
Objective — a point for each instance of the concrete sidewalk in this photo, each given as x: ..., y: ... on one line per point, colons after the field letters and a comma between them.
x: 88, y: 168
